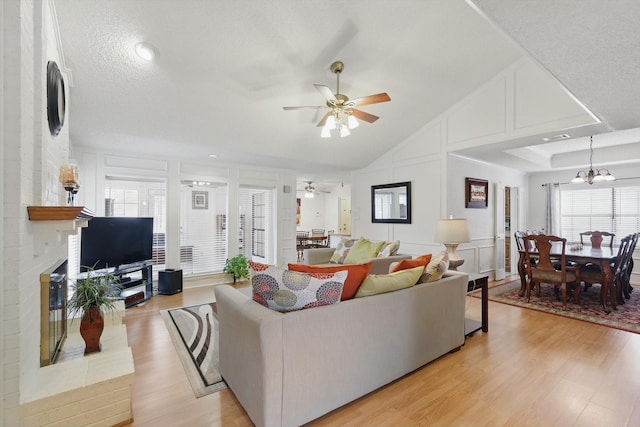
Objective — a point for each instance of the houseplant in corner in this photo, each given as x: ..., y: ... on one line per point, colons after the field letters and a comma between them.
x: 238, y: 267
x: 93, y: 294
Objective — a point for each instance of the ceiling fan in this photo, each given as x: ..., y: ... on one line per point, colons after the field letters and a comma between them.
x: 310, y: 191
x: 342, y: 113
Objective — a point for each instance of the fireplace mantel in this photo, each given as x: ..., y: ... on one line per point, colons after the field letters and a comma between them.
x: 59, y: 213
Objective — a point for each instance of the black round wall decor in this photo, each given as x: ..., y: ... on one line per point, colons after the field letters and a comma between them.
x: 56, y: 102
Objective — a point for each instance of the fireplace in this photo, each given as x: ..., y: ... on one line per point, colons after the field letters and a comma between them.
x: 53, y: 311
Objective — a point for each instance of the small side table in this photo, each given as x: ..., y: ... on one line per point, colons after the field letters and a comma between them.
x: 471, y: 326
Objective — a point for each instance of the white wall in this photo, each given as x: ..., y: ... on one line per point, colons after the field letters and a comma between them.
x: 30, y: 163
x: 502, y: 109
x: 95, y: 165
x: 537, y: 203
x: 323, y: 211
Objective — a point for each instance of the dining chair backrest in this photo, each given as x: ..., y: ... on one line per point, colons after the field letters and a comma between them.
x: 596, y: 238
x: 317, y: 231
x: 519, y: 236
x: 301, y: 235
x: 543, y: 245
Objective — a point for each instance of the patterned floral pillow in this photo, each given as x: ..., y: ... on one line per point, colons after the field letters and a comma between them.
x: 435, y: 269
x: 285, y: 290
x: 389, y: 249
x: 342, y: 250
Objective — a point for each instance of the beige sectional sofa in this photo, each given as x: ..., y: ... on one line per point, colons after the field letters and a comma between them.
x: 287, y: 369
x: 322, y: 256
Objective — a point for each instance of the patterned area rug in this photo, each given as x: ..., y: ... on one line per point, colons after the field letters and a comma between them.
x: 625, y: 317
x: 194, y: 331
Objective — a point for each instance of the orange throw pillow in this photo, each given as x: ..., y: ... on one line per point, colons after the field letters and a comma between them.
x: 405, y: 264
x: 355, y: 276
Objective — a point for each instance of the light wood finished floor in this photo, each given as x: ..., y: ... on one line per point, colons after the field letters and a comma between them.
x: 530, y: 369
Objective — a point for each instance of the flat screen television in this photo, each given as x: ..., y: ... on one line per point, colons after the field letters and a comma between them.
x: 115, y: 241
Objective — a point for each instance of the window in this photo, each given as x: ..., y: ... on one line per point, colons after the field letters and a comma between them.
x: 140, y: 197
x: 613, y: 209
x: 256, y: 226
x: 203, y: 227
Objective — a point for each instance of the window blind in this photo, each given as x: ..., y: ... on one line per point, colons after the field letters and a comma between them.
x: 612, y: 209
x: 203, y: 225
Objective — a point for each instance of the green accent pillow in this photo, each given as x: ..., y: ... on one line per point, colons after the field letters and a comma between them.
x: 363, y: 250
x: 381, y: 283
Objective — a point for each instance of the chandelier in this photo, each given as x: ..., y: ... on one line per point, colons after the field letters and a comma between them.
x: 592, y: 176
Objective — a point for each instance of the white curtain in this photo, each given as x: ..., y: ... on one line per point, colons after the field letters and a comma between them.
x: 552, y: 217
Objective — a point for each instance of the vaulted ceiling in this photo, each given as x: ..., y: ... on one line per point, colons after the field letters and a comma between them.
x: 225, y: 69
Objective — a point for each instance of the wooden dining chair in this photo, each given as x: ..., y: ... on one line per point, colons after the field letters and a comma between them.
x: 591, y: 273
x: 544, y: 270
x: 318, y: 243
x: 302, y: 243
x: 596, y: 238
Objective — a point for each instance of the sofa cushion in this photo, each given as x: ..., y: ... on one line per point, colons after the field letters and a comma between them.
x: 381, y: 283
x: 341, y: 251
x: 356, y: 274
x: 389, y: 249
x: 420, y: 261
x: 363, y: 250
x: 285, y: 290
x: 435, y: 269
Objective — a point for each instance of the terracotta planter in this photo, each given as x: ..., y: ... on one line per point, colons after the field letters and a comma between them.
x: 91, y: 327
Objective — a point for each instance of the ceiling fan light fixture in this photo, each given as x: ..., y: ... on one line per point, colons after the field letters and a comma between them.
x: 309, y: 195
x: 326, y: 132
x: 352, y: 122
x: 331, y: 122
x: 344, y: 131
x: 146, y: 51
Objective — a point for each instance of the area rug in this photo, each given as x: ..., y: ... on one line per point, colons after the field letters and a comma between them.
x: 626, y: 317
x: 194, y: 331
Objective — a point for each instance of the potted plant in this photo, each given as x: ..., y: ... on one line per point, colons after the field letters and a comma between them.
x: 238, y: 267
x: 93, y: 294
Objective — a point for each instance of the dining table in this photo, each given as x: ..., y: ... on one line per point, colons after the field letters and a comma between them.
x: 604, y: 257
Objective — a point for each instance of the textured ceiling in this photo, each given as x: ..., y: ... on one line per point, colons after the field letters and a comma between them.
x: 226, y: 68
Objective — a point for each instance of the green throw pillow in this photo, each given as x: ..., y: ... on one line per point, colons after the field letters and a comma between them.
x: 363, y: 250
x: 381, y: 283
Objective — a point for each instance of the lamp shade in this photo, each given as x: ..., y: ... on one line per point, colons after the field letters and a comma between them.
x: 452, y: 230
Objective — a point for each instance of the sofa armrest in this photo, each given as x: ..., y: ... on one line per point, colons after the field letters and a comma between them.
x: 317, y: 255
x: 250, y: 345
x: 381, y: 265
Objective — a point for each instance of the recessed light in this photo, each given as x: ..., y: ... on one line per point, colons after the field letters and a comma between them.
x: 213, y: 156
x: 556, y: 137
x: 146, y: 51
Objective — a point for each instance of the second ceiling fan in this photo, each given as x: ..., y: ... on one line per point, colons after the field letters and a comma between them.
x: 342, y: 113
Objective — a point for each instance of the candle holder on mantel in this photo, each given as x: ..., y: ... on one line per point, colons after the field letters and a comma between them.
x: 70, y: 181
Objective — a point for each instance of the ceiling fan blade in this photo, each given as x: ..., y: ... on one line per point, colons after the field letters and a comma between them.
x: 304, y: 107
x: 371, y: 99
x: 369, y: 118
x: 326, y: 92
x: 324, y: 119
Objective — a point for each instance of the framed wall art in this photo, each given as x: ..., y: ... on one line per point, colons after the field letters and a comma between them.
x: 199, y: 200
x: 476, y: 193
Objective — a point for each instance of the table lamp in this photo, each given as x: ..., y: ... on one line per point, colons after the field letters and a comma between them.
x: 451, y: 232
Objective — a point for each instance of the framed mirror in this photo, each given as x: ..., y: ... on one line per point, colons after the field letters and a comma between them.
x: 391, y: 203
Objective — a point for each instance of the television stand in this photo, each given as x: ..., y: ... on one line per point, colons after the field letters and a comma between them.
x: 136, y: 281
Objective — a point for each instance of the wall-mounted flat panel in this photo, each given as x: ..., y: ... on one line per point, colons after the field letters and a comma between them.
x: 539, y: 99
x: 424, y: 143
x: 481, y: 114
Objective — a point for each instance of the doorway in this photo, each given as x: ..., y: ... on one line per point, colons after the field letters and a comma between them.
x: 507, y: 229
x: 344, y: 215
